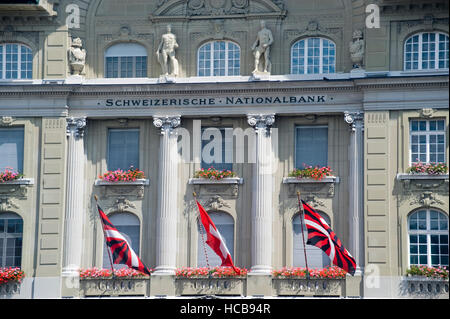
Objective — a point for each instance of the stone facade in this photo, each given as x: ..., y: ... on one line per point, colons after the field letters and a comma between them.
x: 66, y: 117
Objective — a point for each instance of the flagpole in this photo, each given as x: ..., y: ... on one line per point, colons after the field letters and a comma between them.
x: 302, y: 214
x: 203, y: 239
x: 104, y: 236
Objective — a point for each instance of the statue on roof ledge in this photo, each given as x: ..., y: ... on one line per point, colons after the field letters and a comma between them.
x: 77, y: 57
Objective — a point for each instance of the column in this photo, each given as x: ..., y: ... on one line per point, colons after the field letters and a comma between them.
x: 166, y: 222
x: 74, y: 215
x: 356, y: 186
x: 262, y: 206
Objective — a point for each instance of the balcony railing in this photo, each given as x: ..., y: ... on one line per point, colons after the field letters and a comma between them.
x: 309, y: 287
x: 211, y: 286
x: 114, y: 287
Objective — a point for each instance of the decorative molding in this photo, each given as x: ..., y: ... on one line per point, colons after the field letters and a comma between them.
x: 354, y: 120
x: 314, y: 28
x: 17, y: 188
x: 426, y: 199
x: 167, y: 123
x: 76, y: 126
x: 6, y: 204
x: 201, y: 9
x: 426, y: 112
x: 216, y: 202
x: 261, y: 121
x: 121, y: 204
x: 6, y: 121
x: 323, y: 188
x: 122, y: 189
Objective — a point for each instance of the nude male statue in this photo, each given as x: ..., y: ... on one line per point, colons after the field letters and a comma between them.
x: 166, y: 51
x: 262, y: 47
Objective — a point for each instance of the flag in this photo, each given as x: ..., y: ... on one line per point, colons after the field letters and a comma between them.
x: 322, y: 236
x: 215, y: 240
x: 120, y: 249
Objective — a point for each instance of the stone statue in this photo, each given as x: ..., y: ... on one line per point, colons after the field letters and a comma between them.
x: 357, y: 49
x: 77, y: 57
x: 166, y: 53
x: 262, y: 47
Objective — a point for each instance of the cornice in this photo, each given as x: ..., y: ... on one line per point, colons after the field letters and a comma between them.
x: 235, y: 88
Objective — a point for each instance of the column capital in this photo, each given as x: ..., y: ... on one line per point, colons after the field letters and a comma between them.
x: 260, y: 121
x: 167, y: 123
x: 76, y: 126
x: 354, y: 119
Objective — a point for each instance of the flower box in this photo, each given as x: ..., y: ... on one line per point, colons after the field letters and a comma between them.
x: 226, y: 181
x: 137, y: 182
x: 19, y: 181
x: 423, y: 176
x: 296, y: 180
x: 214, y: 174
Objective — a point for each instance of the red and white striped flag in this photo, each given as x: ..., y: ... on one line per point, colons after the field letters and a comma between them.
x: 215, y: 240
x: 120, y: 249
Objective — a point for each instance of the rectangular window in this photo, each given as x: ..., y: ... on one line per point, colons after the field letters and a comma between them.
x: 11, y: 148
x: 123, y: 149
x: 217, y: 149
x: 311, y: 146
x: 427, y: 140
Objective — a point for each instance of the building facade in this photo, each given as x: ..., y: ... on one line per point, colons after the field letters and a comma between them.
x: 258, y: 87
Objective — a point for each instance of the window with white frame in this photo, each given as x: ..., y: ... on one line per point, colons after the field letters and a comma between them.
x: 11, y: 235
x: 311, y: 146
x: 219, y: 58
x: 16, y: 61
x: 427, y: 140
x: 11, y: 148
x: 129, y: 226
x: 426, y: 51
x: 123, y: 149
x: 225, y: 225
x: 428, y: 238
x: 317, y: 258
x: 217, y: 148
x: 313, y: 56
x: 126, y: 60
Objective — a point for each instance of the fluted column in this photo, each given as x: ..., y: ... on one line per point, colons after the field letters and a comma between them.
x: 74, y: 215
x: 356, y: 186
x: 166, y: 221
x: 262, y: 194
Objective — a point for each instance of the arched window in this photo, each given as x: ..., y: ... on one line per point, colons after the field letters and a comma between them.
x: 225, y: 225
x: 11, y: 234
x: 129, y: 226
x: 426, y: 51
x: 219, y: 58
x: 317, y: 258
x: 126, y: 60
x: 313, y: 56
x: 428, y: 238
x: 16, y: 61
